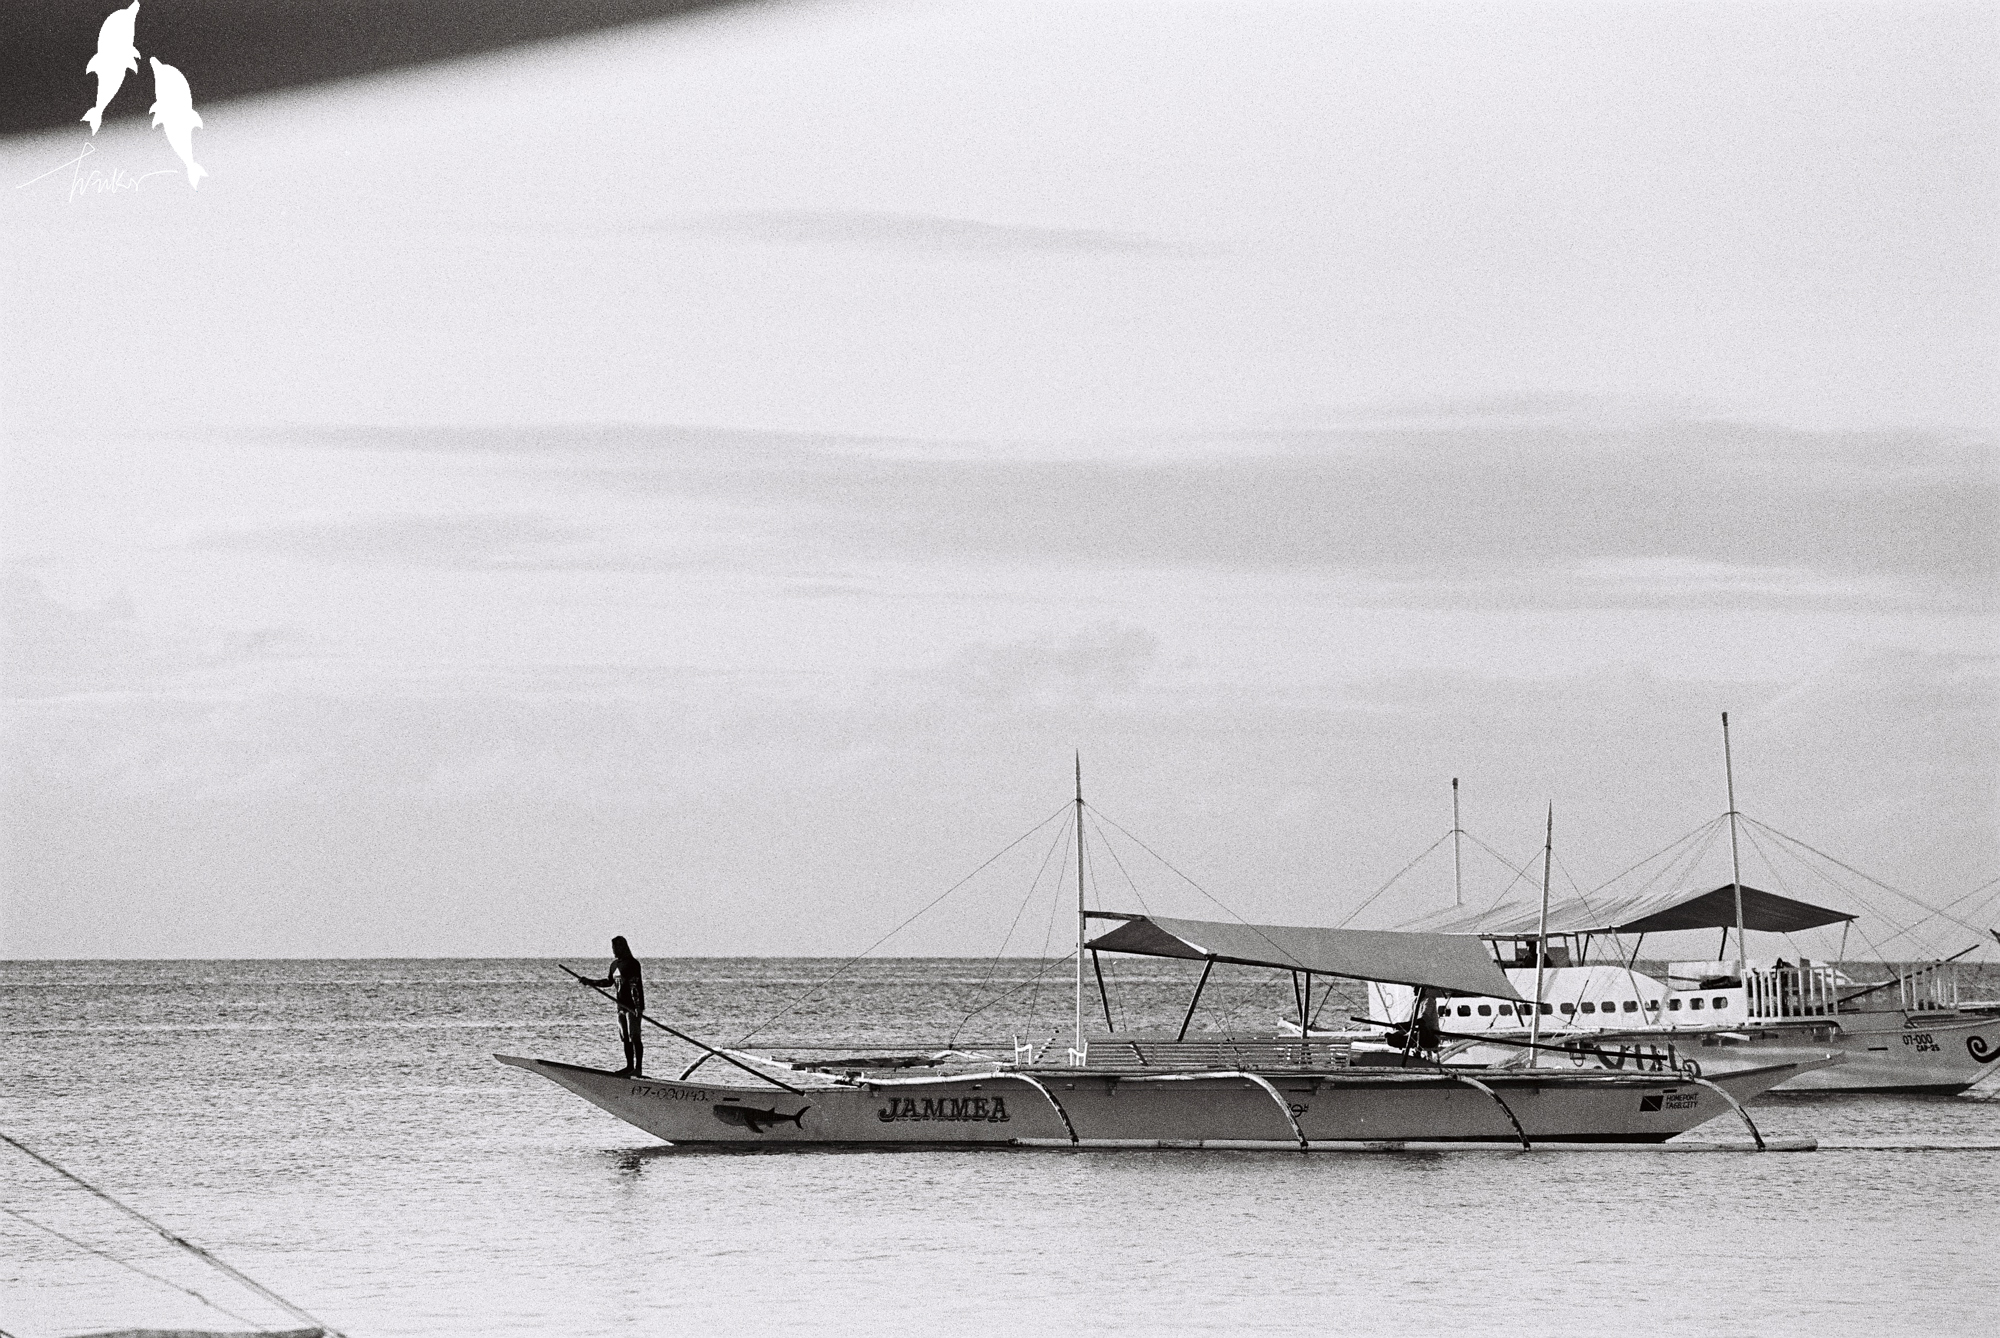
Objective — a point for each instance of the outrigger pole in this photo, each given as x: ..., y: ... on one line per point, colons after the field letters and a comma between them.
x: 1542, y: 929
x: 1735, y: 860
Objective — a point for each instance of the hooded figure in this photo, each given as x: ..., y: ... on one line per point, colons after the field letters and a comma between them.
x: 631, y: 984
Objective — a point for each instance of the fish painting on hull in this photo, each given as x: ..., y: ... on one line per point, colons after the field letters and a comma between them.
x: 115, y: 55
x: 173, y: 110
x: 756, y: 1121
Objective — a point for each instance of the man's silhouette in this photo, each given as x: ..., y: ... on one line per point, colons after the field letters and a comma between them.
x: 625, y: 974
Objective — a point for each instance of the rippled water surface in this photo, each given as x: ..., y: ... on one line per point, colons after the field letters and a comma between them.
x: 339, y: 1130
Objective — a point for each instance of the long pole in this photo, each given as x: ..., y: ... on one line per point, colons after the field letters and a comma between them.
x: 1542, y: 929
x: 1457, y: 868
x: 708, y: 1051
x: 1079, y: 908
x: 1735, y: 859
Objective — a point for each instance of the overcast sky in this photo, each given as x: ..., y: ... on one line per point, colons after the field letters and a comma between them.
x: 701, y: 481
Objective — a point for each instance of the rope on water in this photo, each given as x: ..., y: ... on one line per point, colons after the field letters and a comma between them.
x: 188, y: 1245
x: 88, y: 1248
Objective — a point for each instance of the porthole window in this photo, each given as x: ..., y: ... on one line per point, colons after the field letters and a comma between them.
x: 1569, y: 1008
x: 1718, y: 1002
x: 1653, y: 1005
x: 1673, y: 1005
x: 1506, y: 1010
x: 1590, y: 1008
x: 1631, y: 1005
x: 1547, y: 1009
x: 1694, y: 1003
x: 1465, y: 1010
x: 1486, y: 1010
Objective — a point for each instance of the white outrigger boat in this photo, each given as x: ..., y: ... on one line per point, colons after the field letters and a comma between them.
x: 1248, y: 1092
x: 1910, y: 1033
x: 1906, y: 1034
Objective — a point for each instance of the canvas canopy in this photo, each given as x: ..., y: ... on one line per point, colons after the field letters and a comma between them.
x: 1457, y: 962
x: 1651, y: 913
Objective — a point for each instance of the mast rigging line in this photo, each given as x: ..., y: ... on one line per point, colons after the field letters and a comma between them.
x: 1966, y: 896
x: 1112, y: 850
x: 1189, y: 881
x: 993, y: 967
x: 1914, y: 901
x: 1048, y: 965
x: 923, y: 910
x: 1372, y: 896
x: 88, y: 1248
x: 1790, y: 852
x: 244, y: 1278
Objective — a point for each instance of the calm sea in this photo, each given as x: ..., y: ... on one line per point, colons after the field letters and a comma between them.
x: 339, y: 1131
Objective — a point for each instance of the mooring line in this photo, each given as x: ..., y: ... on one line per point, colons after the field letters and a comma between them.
x: 295, y: 1311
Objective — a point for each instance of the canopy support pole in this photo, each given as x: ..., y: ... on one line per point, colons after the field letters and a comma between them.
x: 1103, y: 997
x: 1505, y: 1109
x: 1206, y: 967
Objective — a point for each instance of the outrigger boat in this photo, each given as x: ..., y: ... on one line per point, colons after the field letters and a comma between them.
x: 1910, y: 1033
x: 1251, y: 1092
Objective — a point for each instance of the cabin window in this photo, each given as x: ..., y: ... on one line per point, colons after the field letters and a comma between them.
x: 1569, y: 1008
x: 1631, y: 1005
x: 1486, y: 1010
x: 1589, y: 1007
x: 1506, y: 1010
x: 1694, y: 1003
x: 1548, y: 1008
x: 1465, y: 1010
x: 1718, y: 1002
x: 1652, y: 1005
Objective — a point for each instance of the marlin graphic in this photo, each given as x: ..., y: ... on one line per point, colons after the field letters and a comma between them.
x: 173, y: 108
x: 115, y: 55
x: 756, y: 1121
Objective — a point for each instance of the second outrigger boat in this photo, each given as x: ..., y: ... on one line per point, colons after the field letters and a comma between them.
x: 1910, y: 1033
x: 1250, y: 1092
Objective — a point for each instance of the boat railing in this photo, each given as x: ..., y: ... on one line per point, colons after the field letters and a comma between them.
x: 1790, y: 991
x: 1253, y: 1053
x: 1929, y: 988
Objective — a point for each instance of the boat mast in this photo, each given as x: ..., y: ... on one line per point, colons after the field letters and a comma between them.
x: 1735, y: 860
x: 1457, y: 875
x: 1079, y: 907
x: 1542, y: 939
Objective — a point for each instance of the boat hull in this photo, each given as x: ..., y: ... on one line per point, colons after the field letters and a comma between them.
x: 1882, y: 1052
x: 1093, y: 1109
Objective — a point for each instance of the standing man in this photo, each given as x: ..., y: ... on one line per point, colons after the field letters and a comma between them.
x: 631, y: 983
